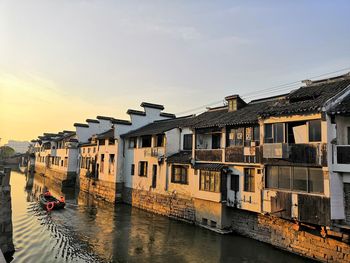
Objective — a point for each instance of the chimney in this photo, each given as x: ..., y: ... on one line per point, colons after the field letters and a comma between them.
x: 235, y: 102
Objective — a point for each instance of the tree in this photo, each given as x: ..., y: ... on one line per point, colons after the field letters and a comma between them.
x: 6, y: 152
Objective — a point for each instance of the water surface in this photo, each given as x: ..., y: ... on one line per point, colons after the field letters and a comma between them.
x: 90, y: 230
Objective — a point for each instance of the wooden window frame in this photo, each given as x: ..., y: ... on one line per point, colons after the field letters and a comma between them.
x: 210, y: 181
x: 183, y: 176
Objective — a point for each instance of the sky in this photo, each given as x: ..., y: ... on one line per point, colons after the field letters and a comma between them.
x: 64, y: 61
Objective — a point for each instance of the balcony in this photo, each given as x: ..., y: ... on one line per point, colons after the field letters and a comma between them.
x: 153, y: 152
x: 315, y: 154
x: 240, y: 154
x: 210, y: 155
x: 341, y: 159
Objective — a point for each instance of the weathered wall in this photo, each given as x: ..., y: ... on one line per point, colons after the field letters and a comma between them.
x: 168, y: 205
x: 280, y: 233
x: 109, y: 191
x: 6, y: 242
x: 60, y: 178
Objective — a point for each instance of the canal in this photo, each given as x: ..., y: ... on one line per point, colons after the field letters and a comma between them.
x: 90, y: 230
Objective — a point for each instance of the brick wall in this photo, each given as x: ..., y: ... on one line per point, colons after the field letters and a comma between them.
x: 108, y: 191
x: 168, y: 205
x: 60, y: 178
x: 6, y: 242
x: 280, y: 233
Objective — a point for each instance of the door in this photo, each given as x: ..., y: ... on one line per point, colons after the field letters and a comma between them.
x: 154, y: 176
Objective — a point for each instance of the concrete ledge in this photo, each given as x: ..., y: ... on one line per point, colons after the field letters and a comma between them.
x: 2, y: 258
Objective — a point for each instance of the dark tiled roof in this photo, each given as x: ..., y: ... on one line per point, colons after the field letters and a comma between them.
x: 245, y: 116
x: 85, y: 144
x: 106, y: 135
x: 152, y: 105
x: 92, y: 121
x: 136, y: 112
x: 306, y: 100
x: 169, y: 115
x: 162, y: 126
x: 50, y: 134
x: 123, y: 122
x: 62, y: 137
x: 104, y: 118
x: 180, y: 157
x: 65, y: 131
x: 210, y: 166
x: 343, y: 108
x: 81, y: 125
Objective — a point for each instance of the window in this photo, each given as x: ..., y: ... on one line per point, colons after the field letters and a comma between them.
x: 111, y: 164
x: 284, y: 178
x: 111, y: 141
x: 65, y: 163
x: 160, y: 140
x: 315, y: 131
x: 216, y: 141
x: 143, y: 168
x: 102, y: 163
x: 272, y: 177
x: 179, y: 174
x: 89, y: 150
x: 295, y: 178
x: 278, y: 132
x: 154, y: 175
x: 209, y: 181
x: 83, y: 150
x: 268, y: 138
x: 256, y: 133
x: 316, y: 180
x: 146, y: 141
x: 94, y: 150
x: 235, y: 182
x: 132, y: 169
x: 249, y: 179
x: 274, y: 133
x: 235, y: 137
x: 132, y: 142
x: 187, y: 145
x: 300, y: 179
x: 101, y: 142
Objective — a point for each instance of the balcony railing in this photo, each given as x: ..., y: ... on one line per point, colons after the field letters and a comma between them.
x: 241, y: 154
x: 154, y: 152
x: 213, y: 155
x: 297, y: 153
x: 308, y: 153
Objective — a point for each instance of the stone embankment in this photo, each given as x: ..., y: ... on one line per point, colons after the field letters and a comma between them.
x: 282, y: 234
x: 6, y: 242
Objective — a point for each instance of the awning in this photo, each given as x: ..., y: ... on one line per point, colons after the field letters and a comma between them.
x: 183, y: 157
x: 210, y: 166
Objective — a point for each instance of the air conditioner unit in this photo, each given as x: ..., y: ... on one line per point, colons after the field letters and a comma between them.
x: 275, y: 150
x: 249, y: 151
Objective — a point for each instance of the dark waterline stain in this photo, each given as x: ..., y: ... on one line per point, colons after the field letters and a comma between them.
x: 90, y: 230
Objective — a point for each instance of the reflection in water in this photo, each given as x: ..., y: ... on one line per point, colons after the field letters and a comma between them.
x: 90, y: 230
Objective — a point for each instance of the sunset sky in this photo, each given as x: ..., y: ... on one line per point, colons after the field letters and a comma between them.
x: 64, y: 61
